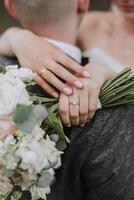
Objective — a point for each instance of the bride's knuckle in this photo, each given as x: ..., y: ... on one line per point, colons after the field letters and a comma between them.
x: 94, y: 87
x: 86, y: 84
x: 62, y: 110
x: 74, y: 115
x: 92, y: 109
x: 83, y: 113
x: 53, y: 68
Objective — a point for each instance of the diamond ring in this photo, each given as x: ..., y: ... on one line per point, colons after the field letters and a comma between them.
x: 74, y: 103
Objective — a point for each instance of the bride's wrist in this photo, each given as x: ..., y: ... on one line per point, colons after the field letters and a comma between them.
x: 12, y: 34
x: 17, y: 37
x: 110, y: 73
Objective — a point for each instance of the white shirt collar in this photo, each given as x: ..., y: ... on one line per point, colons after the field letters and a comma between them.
x: 73, y: 51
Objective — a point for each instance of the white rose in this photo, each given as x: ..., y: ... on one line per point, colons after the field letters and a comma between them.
x: 22, y: 73
x: 37, y: 132
x: 37, y: 155
x: 12, y: 92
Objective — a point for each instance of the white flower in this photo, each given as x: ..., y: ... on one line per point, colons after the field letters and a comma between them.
x: 4, y: 146
x: 3, y: 150
x: 6, y: 153
x: 38, y: 154
x: 12, y: 92
x: 10, y: 140
x: 46, y: 178
x: 37, y: 133
x: 24, y: 74
x: 10, y: 162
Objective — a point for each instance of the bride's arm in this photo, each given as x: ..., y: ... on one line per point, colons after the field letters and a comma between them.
x: 5, y: 42
x: 39, y: 55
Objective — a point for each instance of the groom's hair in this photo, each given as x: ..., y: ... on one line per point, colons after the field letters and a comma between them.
x: 43, y: 11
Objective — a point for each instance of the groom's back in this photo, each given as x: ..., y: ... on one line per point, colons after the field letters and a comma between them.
x: 99, y: 163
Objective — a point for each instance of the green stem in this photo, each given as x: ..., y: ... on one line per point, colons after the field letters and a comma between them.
x: 116, y: 82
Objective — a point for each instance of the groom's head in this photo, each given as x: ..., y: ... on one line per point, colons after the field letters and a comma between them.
x: 46, y: 12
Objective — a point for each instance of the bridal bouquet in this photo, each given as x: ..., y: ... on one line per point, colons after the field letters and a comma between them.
x: 32, y: 138
x: 28, y: 155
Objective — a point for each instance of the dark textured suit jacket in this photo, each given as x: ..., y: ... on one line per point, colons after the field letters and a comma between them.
x: 99, y: 162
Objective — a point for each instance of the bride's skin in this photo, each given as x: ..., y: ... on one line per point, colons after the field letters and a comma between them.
x: 112, y: 32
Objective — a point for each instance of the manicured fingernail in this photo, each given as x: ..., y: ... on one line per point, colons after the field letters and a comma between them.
x: 54, y: 94
x: 86, y: 74
x: 67, y: 91
x: 78, y: 84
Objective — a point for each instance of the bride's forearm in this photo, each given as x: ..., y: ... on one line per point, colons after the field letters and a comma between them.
x: 6, y: 41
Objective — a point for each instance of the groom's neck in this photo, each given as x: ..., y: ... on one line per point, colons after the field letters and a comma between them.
x: 65, y: 32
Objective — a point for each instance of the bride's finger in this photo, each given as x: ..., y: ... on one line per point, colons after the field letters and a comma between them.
x: 64, y: 109
x: 63, y: 73
x: 93, y: 103
x: 55, y: 82
x: 84, y: 105
x: 74, y: 107
x: 74, y: 66
x: 45, y: 86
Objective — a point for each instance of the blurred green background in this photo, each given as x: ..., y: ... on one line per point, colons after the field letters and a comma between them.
x: 6, y: 21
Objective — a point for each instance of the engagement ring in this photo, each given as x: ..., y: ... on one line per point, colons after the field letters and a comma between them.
x: 74, y: 103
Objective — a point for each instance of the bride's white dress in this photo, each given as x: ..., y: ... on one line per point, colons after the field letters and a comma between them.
x: 97, y: 55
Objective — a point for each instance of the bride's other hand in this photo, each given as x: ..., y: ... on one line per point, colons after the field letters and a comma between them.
x: 47, y: 60
x: 81, y: 106
x: 74, y: 109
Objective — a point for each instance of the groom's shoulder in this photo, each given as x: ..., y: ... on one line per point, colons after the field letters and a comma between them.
x: 105, y: 126
x: 104, y: 117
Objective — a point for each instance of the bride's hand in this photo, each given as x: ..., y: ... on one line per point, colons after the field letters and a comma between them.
x: 47, y: 60
x: 74, y: 109
x: 80, y: 107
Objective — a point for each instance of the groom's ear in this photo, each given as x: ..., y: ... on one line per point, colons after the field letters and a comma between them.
x: 83, y: 5
x: 10, y: 8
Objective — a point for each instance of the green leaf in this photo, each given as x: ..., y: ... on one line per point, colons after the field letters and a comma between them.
x: 8, y: 172
x: 2, y: 69
x: 53, y: 122
x: 48, y: 102
x: 16, y: 195
x: 21, y: 113
x: 4, y: 194
x: 26, y: 117
x: 40, y: 112
x: 118, y: 91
